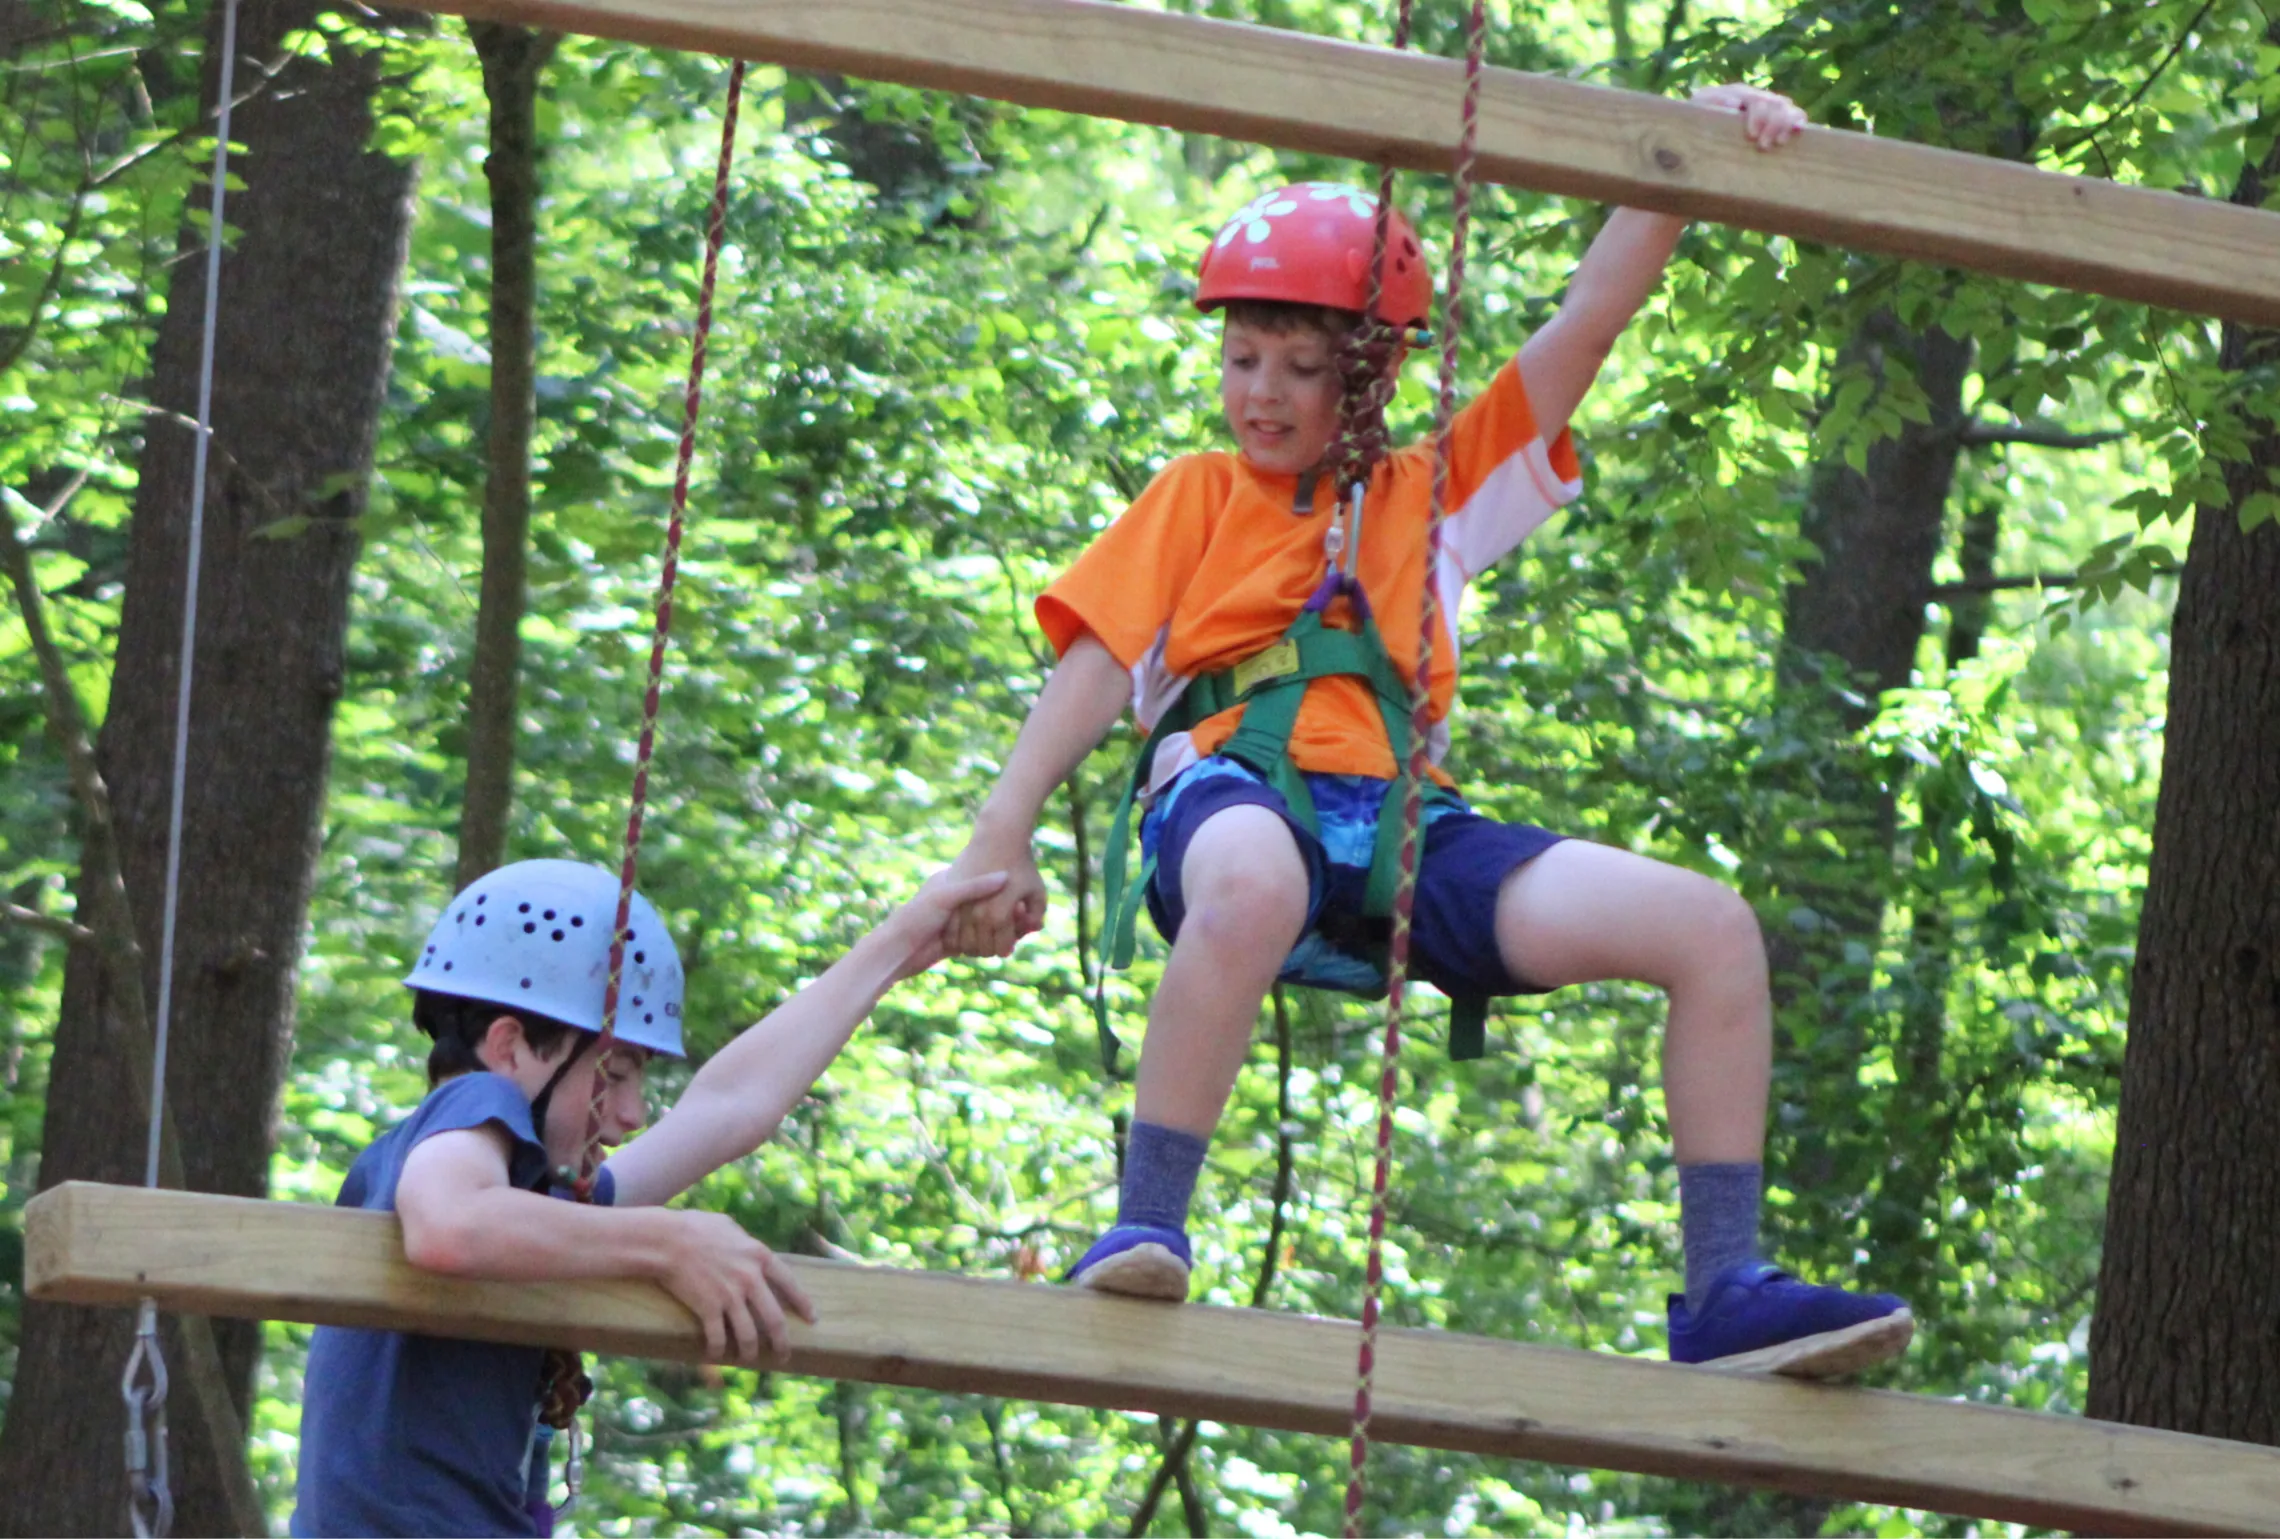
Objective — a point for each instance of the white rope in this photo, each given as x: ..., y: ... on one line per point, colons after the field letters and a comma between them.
x: 146, y: 1401
x: 214, y: 234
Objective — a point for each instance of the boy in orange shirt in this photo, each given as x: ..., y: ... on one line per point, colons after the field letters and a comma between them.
x: 1207, y: 571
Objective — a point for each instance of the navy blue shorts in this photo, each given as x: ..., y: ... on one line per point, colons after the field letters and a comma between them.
x: 1462, y: 868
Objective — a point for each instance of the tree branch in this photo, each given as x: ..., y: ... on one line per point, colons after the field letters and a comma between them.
x: 51, y: 924
x: 113, y: 934
x: 1943, y: 591
x: 2089, y: 136
x: 2040, y: 435
x: 21, y: 342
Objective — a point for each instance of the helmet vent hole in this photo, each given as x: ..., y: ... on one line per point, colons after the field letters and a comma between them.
x: 528, y: 927
x: 447, y: 967
x: 637, y: 1000
x: 526, y: 983
x: 482, y: 899
x: 641, y: 956
x: 549, y: 914
x: 524, y: 909
x: 577, y: 921
x: 647, y: 1018
x: 558, y: 935
x: 478, y: 918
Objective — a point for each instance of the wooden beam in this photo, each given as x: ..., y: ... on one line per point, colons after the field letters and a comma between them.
x: 1371, y: 104
x: 90, y: 1244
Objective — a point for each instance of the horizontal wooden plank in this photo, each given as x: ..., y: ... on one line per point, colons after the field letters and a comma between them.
x: 201, y: 1254
x: 1371, y: 104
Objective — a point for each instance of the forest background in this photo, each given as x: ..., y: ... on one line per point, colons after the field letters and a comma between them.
x: 1897, y: 597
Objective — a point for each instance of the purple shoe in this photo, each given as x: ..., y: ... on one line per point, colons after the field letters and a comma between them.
x: 1757, y: 1318
x: 1137, y: 1260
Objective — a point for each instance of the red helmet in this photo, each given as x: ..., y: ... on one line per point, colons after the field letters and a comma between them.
x: 1310, y: 245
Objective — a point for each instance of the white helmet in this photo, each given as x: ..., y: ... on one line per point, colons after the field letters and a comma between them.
x: 536, y: 935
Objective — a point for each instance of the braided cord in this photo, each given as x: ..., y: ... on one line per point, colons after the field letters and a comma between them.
x: 566, y: 1385
x: 692, y: 400
x: 1413, y: 786
x: 1367, y: 354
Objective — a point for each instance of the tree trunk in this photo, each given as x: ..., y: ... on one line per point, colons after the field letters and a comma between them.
x: 1906, y: 1246
x: 513, y: 59
x: 306, y: 323
x: 2189, y: 1286
x: 1851, y: 629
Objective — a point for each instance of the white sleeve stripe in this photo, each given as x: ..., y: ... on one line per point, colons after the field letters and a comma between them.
x: 1510, y: 503
x: 1154, y: 685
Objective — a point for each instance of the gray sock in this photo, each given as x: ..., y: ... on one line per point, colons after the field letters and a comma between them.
x: 1718, y: 1215
x: 1160, y: 1166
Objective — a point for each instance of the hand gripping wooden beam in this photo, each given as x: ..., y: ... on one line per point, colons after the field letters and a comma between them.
x: 200, y: 1254
x: 1371, y: 104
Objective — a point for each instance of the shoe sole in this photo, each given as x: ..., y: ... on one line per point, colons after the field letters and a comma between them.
x: 1830, y: 1355
x: 1146, y: 1271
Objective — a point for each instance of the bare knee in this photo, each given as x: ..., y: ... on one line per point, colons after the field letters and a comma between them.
x: 1243, y: 883
x: 1248, y: 906
x: 1724, y: 948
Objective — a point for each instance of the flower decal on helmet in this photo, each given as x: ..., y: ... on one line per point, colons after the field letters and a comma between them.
x: 1363, y: 205
x: 1312, y: 244
x: 1255, y: 221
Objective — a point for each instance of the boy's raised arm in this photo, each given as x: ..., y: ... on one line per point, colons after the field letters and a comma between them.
x: 1622, y: 268
x: 735, y: 1102
x: 1087, y: 692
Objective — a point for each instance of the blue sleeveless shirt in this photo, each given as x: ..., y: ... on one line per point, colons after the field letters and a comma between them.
x: 408, y: 1434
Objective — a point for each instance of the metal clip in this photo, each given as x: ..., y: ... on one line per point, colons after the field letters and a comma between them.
x: 150, y: 1501
x: 573, y: 1470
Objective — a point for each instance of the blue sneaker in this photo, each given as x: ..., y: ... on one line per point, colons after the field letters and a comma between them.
x: 1757, y: 1318
x: 1138, y: 1260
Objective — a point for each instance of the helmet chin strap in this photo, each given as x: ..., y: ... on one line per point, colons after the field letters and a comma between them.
x: 544, y: 1099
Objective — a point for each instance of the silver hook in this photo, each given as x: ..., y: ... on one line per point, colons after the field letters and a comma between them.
x: 1354, y: 542
x: 150, y: 1501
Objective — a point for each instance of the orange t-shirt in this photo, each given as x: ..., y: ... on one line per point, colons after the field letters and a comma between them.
x: 1210, y: 566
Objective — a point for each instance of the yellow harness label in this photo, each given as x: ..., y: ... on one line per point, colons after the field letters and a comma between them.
x: 1277, y: 661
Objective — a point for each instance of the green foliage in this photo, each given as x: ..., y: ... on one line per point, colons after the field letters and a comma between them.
x: 925, y: 398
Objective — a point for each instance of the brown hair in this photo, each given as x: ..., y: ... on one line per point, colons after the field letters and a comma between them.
x: 1280, y: 317
x: 458, y: 1026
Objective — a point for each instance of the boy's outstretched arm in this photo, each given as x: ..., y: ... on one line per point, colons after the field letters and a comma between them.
x: 1622, y: 268
x: 1087, y: 692
x: 735, y: 1102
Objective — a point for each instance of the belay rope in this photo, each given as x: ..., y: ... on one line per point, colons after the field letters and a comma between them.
x: 567, y: 1386
x: 1351, y: 456
x: 143, y: 1383
x: 1361, y: 443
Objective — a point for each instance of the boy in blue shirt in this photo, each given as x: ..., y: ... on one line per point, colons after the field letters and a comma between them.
x: 410, y: 1434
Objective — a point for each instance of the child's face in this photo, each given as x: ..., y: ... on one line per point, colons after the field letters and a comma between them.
x: 624, y: 1103
x: 1280, y: 392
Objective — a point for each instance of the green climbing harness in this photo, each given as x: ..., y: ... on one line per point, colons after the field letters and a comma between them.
x: 1270, y: 686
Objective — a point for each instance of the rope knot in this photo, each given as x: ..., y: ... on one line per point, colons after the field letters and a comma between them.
x: 1366, y: 370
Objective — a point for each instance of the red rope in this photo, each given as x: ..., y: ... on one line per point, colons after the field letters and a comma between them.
x: 1413, y: 797
x: 587, y: 1163
x: 567, y: 1387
